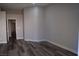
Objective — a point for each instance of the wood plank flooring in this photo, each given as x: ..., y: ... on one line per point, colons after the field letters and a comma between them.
x: 29, y: 48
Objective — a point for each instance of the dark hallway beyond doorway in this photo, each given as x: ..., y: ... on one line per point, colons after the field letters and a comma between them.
x: 12, y: 28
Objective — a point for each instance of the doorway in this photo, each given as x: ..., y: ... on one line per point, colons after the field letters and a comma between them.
x: 11, y: 29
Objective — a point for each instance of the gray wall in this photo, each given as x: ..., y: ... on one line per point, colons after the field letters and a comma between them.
x: 33, y: 23
x: 3, y: 38
x: 62, y: 23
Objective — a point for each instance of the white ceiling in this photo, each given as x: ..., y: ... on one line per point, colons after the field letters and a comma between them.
x: 19, y: 5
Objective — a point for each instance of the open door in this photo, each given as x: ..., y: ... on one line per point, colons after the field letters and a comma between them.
x: 11, y: 29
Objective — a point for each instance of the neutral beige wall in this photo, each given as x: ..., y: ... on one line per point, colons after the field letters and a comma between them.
x: 33, y: 23
x: 18, y: 16
x: 3, y: 37
x: 62, y: 23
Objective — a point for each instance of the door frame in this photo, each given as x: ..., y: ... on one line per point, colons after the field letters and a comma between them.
x: 7, y: 28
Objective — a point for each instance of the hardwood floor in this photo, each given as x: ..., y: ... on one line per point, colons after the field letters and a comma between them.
x: 29, y: 48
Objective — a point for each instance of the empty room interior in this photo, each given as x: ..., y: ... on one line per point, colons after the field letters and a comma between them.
x: 39, y: 29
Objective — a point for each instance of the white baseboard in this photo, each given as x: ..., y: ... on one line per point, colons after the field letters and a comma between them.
x: 71, y: 50
x: 34, y: 40
x: 3, y: 42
